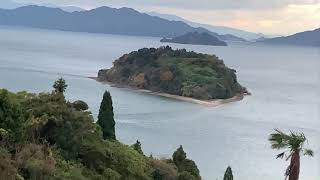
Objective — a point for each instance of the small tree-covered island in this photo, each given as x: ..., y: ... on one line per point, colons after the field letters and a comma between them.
x: 175, y: 72
x: 196, y: 38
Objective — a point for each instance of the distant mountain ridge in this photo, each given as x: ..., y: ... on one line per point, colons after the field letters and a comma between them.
x: 8, y: 4
x: 106, y: 20
x: 307, y: 38
x: 217, y: 29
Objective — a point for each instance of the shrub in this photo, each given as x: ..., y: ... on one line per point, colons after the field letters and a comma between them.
x: 7, y: 166
x: 186, y: 176
x: 11, y: 115
x: 110, y: 174
x: 185, y: 165
x: 137, y: 147
x: 80, y: 105
x: 35, y: 161
x: 163, y: 170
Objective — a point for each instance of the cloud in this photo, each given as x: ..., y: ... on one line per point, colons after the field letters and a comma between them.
x: 184, y: 4
x: 7, y: 4
x: 227, y: 4
x: 287, y: 20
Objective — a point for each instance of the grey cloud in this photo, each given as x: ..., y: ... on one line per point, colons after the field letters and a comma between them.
x: 224, y: 4
x: 191, y: 4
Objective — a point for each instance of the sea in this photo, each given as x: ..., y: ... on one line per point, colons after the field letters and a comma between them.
x: 284, y: 82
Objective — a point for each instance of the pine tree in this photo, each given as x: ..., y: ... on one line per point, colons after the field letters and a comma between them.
x: 228, y: 174
x: 106, y: 117
x: 179, y: 155
x: 137, y: 147
x: 60, y: 85
x: 185, y: 166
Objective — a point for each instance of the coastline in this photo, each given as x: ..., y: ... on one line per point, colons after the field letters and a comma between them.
x: 208, y: 103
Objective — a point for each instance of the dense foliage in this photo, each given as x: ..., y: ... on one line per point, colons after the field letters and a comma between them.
x: 186, y: 167
x: 45, y: 137
x: 177, y: 72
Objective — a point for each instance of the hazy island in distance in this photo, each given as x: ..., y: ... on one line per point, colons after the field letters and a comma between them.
x: 307, y: 38
x: 222, y: 30
x: 176, y: 72
x: 196, y: 39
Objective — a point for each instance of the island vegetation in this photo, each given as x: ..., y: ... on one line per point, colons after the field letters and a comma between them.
x: 196, y: 38
x: 45, y: 137
x: 176, y: 72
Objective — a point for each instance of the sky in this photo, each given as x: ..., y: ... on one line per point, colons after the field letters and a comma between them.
x: 281, y: 17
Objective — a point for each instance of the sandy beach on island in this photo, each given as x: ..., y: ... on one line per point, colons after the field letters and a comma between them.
x: 208, y: 103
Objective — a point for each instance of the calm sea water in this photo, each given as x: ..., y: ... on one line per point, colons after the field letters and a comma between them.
x: 284, y: 82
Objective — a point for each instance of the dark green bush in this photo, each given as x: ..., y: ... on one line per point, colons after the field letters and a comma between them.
x: 80, y: 105
x: 186, y: 176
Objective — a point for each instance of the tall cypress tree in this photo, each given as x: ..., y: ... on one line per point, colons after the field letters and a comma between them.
x: 106, y: 117
x: 228, y: 174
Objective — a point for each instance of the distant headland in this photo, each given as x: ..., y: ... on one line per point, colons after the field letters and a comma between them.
x: 196, y: 38
x: 306, y: 38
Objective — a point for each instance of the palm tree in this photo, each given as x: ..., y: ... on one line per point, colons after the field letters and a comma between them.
x: 294, y: 143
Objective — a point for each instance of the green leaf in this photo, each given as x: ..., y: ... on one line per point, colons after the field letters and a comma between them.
x: 308, y: 152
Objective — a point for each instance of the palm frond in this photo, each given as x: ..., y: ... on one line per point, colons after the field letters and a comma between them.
x: 293, y: 141
x: 296, y: 140
x: 279, y: 140
x: 308, y: 152
x: 281, y: 155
